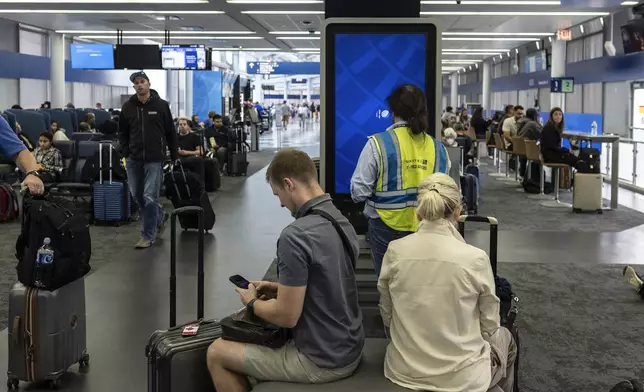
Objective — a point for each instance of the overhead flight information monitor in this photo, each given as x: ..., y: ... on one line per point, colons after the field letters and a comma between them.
x: 364, y: 63
x: 184, y: 57
x: 92, y: 56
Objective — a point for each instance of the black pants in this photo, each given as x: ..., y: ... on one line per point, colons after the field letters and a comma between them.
x: 221, y: 153
x: 195, y: 164
x: 567, y: 158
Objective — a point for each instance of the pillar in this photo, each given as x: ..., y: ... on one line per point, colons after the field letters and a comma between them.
x: 189, y: 93
x: 308, y: 90
x: 557, y: 70
x: 285, y: 87
x: 487, y: 83
x: 57, y: 70
x: 258, y: 92
x: 453, y: 101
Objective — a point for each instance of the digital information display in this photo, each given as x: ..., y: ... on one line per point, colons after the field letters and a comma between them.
x: 92, y: 56
x: 368, y: 67
x: 183, y: 57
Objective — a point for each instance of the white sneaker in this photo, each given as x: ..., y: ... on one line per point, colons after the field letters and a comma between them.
x: 632, y: 278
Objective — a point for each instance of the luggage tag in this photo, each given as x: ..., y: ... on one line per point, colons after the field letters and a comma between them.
x: 190, y: 330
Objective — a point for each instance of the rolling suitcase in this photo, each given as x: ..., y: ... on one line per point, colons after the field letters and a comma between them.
x: 176, y: 358
x: 470, y: 190
x: 237, y: 159
x: 508, y: 308
x: 47, y: 333
x: 587, y: 193
x: 112, y: 201
x: 212, y: 174
x: 185, y: 190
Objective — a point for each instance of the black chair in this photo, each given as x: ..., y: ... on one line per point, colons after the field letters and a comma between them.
x: 68, y: 151
x: 76, y: 187
x: 87, y: 136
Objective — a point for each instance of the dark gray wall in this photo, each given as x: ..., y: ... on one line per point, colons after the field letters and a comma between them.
x: 9, y: 34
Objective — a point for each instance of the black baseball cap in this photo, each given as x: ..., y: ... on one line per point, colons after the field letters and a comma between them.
x: 139, y: 74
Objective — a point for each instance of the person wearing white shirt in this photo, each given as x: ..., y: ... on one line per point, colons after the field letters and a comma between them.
x: 438, y: 292
x: 303, y: 112
x: 59, y: 133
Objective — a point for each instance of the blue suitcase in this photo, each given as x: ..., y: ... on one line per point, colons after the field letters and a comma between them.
x: 112, y: 201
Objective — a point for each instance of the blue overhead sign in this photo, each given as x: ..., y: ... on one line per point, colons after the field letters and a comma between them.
x: 282, y: 68
x: 562, y: 85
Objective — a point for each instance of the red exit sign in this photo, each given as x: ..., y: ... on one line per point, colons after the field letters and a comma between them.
x: 564, y: 35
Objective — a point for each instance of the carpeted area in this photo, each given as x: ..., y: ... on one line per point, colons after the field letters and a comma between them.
x: 516, y: 212
x: 107, y: 242
x: 580, y: 326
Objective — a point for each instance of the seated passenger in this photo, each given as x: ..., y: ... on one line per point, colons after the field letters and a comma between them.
x: 84, y: 127
x: 190, y: 149
x: 551, y: 148
x: 49, y: 158
x: 634, y: 279
x: 437, y: 298
x: 529, y: 127
x: 464, y: 140
x: 59, y: 133
x: 509, y: 127
x: 449, y: 138
x: 316, y: 296
x: 218, y: 139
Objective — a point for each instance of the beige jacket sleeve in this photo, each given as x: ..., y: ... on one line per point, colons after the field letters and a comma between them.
x: 488, y: 301
x: 383, y: 287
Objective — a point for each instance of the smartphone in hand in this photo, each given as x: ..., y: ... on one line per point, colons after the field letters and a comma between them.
x: 239, y: 281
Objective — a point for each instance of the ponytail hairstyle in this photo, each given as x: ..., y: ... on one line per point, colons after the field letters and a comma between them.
x: 438, y: 198
x: 408, y: 102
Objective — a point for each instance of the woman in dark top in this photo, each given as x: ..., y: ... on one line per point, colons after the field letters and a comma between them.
x: 551, y: 148
x: 479, y: 124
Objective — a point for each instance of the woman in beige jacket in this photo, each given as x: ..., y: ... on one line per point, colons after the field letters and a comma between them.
x: 439, y: 304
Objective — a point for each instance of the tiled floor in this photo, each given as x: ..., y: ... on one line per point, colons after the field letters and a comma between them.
x: 128, y: 299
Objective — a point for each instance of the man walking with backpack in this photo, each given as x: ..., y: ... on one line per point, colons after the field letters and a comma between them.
x: 146, y: 130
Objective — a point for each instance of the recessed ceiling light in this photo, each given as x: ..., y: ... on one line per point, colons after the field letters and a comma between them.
x: 464, y: 61
x: 152, y: 12
x: 491, y: 2
x: 601, y: 20
x: 475, y: 50
x: 312, y: 52
x: 630, y: 2
x: 477, y: 65
x: 490, y: 39
x: 472, y: 54
x: 102, y: 1
x: 196, y: 37
x: 538, y: 45
x: 305, y: 49
x: 512, y: 13
x: 297, y: 37
x: 550, y: 39
x: 299, y: 12
x: 516, y: 50
x: 292, y: 32
x: 152, y: 32
x: 275, y: 1
x: 491, y: 33
x: 167, y: 17
x: 581, y: 28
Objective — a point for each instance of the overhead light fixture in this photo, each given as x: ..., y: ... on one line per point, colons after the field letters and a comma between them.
x: 538, y: 45
x: 601, y: 20
x: 145, y: 12
x: 297, y: 37
x: 248, y: 50
x: 311, y: 52
x: 152, y: 32
x: 196, y: 37
x: 477, y: 65
x: 102, y: 1
x: 491, y: 2
x: 275, y: 1
x: 470, y: 68
x: 491, y: 33
x: 305, y: 49
x: 581, y: 28
x: 494, y: 59
x: 292, y: 32
x: 516, y: 50
x: 513, y: 13
x: 490, y: 39
x: 273, y: 12
x: 625, y: 3
x: 475, y: 50
x: 472, y: 54
x: 550, y: 39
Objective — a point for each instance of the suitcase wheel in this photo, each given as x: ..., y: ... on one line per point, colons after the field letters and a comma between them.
x: 84, y: 362
x: 600, y: 212
x: 12, y: 383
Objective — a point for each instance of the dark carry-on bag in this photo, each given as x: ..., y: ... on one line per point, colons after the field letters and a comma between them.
x: 507, y: 299
x: 592, y: 158
x: 186, y: 190
x: 237, y: 158
x: 177, y: 360
x: 68, y: 230
x: 112, y: 201
x: 47, y: 333
x: 470, y: 191
x: 212, y: 174
x: 9, y: 209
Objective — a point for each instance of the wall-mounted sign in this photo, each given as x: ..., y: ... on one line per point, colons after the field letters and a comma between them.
x: 562, y: 85
x: 298, y: 81
x: 282, y: 68
x: 268, y: 87
x: 564, y: 35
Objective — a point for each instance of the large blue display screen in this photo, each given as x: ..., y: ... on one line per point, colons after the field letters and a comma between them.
x: 92, y: 56
x: 183, y: 57
x: 368, y: 67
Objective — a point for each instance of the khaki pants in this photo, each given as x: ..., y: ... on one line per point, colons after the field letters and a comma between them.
x: 287, y: 364
x: 503, y: 353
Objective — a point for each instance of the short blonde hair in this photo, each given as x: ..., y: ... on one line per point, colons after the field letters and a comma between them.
x: 438, y: 197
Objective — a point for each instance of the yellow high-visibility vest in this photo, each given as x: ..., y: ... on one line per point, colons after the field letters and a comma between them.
x: 405, y: 161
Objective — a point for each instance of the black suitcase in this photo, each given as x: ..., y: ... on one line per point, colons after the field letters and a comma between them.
x: 177, y: 363
x: 508, y: 307
x: 212, y: 174
x: 237, y: 158
x: 185, y: 189
x: 470, y: 191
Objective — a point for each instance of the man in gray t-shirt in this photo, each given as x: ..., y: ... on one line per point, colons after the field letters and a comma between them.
x: 316, y: 295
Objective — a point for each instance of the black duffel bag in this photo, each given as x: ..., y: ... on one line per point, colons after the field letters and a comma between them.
x: 68, y: 230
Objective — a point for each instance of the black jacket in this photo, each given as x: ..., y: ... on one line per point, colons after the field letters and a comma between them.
x: 221, y: 136
x: 551, y: 144
x: 146, y: 129
x: 529, y: 129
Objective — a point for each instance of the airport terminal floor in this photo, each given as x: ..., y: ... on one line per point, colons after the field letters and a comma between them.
x: 580, y: 323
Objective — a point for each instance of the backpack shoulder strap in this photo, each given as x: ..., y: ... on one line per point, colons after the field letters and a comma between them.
x: 345, y: 239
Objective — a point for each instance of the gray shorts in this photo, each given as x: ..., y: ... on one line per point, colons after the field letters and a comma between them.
x: 287, y: 364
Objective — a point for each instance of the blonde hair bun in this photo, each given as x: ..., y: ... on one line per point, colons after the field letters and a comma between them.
x: 438, y: 197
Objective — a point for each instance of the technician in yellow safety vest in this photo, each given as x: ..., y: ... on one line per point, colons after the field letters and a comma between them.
x: 392, y: 165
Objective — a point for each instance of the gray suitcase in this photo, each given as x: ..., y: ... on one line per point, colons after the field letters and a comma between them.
x: 47, y: 333
x: 177, y: 363
x: 587, y: 193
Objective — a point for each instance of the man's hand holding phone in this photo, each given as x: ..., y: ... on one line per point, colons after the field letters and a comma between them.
x: 265, y: 290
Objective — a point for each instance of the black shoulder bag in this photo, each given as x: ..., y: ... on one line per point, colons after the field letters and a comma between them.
x: 245, y: 328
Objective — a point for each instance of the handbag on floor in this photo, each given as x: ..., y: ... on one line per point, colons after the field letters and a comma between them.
x: 177, y: 356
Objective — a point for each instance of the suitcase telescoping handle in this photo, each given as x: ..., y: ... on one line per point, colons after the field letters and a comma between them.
x: 494, y: 234
x: 173, y: 262
x: 100, y: 162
